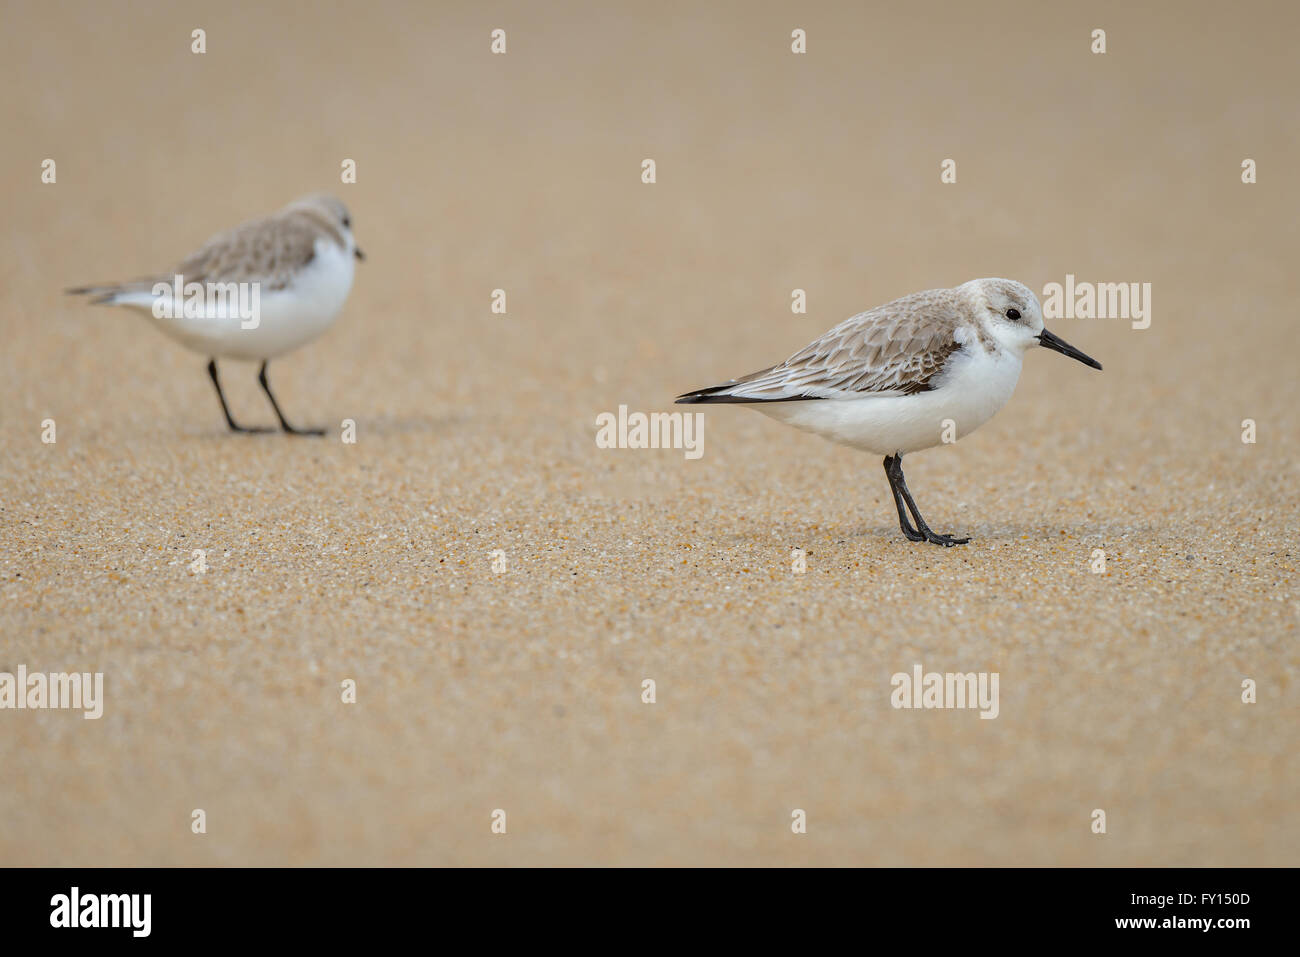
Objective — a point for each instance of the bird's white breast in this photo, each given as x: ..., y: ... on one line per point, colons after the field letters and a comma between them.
x: 972, y: 388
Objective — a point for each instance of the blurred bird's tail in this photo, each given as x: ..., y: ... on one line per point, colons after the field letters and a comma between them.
x: 112, y: 293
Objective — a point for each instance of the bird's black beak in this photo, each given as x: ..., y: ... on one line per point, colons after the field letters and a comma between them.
x: 362, y: 256
x: 1057, y: 344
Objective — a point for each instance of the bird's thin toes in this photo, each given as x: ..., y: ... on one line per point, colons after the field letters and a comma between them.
x: 947, y: 541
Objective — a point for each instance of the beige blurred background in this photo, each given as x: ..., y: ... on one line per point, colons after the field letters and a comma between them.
x: 521, y: 691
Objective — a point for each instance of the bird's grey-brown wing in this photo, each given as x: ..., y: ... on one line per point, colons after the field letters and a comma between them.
x: 269, y: 251
x: 895, y: 349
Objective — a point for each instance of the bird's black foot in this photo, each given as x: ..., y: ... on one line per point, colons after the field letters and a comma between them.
x: 286, y: 427
x: 934, y: 538
x: 911, y: 534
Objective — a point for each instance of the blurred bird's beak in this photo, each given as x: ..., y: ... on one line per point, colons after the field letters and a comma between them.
x: 1057, y: 344
x: 362, y: 257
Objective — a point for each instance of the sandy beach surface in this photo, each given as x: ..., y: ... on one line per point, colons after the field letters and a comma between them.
x: 519, y: 687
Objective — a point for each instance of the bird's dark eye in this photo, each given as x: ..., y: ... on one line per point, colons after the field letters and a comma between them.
x: 347, y: 223
x: 1013, y: 314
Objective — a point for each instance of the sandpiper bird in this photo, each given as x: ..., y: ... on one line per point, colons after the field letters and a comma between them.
x: 893, y: 380
x: 253, y: 293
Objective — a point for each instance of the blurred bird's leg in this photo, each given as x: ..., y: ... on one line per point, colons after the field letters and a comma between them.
x: 284, y: 423
x: 230, y: 421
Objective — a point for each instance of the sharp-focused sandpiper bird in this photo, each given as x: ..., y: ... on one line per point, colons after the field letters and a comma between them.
x: 897, y: 378
x: 253, y: 293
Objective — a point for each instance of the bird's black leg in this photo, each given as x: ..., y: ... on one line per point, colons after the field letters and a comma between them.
x: 900, y: 486
x: 911, y: 534
x: 230, y: 421
x: 284, y: 424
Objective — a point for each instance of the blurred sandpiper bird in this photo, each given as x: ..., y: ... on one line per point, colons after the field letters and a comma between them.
x: 253, y: 293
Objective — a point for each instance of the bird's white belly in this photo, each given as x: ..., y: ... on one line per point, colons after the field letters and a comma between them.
x: 972, y: 390
x: 285, y: 319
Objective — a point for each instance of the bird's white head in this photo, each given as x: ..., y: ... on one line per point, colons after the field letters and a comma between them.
x: 1009, y: 312
x: 332, y: 214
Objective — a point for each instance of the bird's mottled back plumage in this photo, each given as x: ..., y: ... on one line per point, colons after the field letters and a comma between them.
x: 270, y: 250
x: 894, y: 349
